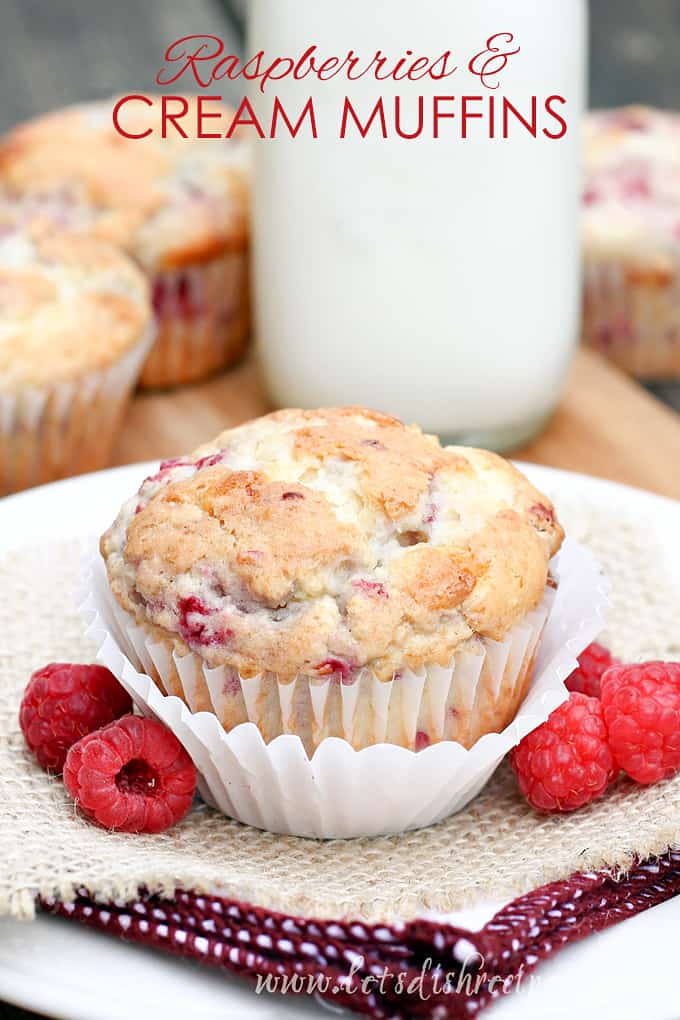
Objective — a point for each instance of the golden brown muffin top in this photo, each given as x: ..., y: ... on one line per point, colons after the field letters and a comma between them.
x: 168, y: 201
x: 322, y: 542
x: 68, y: 304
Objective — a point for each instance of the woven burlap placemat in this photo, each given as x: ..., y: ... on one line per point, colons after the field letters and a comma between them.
x: 496, y: 848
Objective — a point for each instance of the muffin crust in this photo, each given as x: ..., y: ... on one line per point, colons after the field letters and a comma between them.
x: 323, y: 542
x: 632, y: 190
x: 168, y: 201
x: 68, y: 305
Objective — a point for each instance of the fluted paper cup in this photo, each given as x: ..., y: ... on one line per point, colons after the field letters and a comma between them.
x: 66, y: 428
x: 631, y: 314
x: 338, y: 791
x: 203, y: 318
x: 478, y: 691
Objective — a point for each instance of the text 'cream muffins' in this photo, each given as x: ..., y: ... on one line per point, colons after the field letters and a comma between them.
x: 177, y: 205
x: 631, y: 236
x: 335, y: 573
x: 75, y: 327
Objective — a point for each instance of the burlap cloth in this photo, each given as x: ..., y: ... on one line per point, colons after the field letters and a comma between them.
x: 496, y: 848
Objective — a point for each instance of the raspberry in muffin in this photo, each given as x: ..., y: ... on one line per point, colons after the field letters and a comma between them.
x: 631, y: 230
x: 335, y: 573
x: 76, y: 325
x: 176, y: 205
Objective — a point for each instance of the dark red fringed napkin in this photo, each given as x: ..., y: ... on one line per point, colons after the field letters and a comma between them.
x: 422, y: 968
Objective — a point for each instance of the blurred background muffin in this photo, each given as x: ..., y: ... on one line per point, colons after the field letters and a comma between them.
x: 632, y: 239
x: 75, y: 327
x: 177, y: 205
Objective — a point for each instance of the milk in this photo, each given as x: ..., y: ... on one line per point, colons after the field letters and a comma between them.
x: 434, y: 278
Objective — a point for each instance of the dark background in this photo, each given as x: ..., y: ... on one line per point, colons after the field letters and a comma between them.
x: 54, y: 52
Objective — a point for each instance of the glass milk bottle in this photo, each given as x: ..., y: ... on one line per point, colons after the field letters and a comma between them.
x: 435, y: 278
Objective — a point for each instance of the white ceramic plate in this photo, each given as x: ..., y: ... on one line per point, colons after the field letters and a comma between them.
x: 65, y: 971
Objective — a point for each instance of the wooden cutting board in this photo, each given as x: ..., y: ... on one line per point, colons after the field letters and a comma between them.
x: 606, y: 424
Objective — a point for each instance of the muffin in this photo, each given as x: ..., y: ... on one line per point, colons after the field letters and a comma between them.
x: 176, y: 205
x: 75, y: 328
x: 631, y: 229
x: 335, y: 573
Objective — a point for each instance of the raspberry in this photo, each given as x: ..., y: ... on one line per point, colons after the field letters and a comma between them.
x: 642, y: 712
x: 133, y: 775
x: 566, y: 762
x: 62, y: 702
x: 337, y: 667
x: 592, y: 663
x: 193, y: 627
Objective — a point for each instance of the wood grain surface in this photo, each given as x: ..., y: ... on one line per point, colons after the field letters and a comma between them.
x: 605, y: 425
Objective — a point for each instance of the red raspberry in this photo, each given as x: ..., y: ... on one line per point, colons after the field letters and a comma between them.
x: 592, y: 663
x: 566, y: 762
x: 133, y: 775
x: 642, y: 712
x: 62, y: 702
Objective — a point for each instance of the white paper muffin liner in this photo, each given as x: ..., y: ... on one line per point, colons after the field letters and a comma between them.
x: 66, y: 428
x: 632, y: 316
x: 480, y: 690
x: 341, y: 792
x: 202, y: 319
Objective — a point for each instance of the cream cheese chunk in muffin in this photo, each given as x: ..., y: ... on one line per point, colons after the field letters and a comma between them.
x: 323, y: 542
